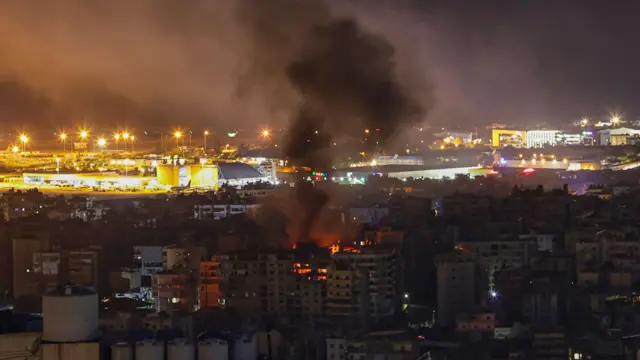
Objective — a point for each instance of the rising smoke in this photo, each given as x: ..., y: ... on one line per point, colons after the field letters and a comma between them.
x: 344, y: 79
x: 347, y: 82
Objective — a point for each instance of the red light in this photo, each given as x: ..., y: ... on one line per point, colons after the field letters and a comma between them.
x: 528, y: 170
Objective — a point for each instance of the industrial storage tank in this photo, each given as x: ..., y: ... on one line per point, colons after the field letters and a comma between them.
x: 149, y: 350
x: 180, y: 349
x: 121, y: 351
x: 246, y: 348
x: 213, y: 349
x: 70, y: 314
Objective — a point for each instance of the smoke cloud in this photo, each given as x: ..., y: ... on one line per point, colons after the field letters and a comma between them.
x: 344, y: 80
x: 347, y: 82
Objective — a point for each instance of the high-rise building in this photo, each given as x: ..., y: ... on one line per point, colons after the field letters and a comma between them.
x: 459, y: 286
x: 24, y: 279
x: 290, y: 283
x: 347, y: 295
x: 371, y: 271
x: 169, y: 291
x: 77, y: 268
x: 211, y: 281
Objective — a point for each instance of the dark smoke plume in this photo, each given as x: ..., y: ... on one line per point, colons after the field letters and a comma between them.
x: 343, y: 80
x: 347, y: 82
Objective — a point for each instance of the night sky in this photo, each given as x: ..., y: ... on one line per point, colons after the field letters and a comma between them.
x: 165, y: 63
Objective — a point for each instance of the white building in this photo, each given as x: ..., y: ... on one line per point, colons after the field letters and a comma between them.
x: 615, y: 136
x: 382, y: 160
x: 568, y: 139
x: 541, y: 138
x: 221, y: 211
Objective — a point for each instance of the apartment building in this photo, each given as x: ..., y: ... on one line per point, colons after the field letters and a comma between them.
x: 24, y: 280
x: 290, y: 283
x: 390, y: 344
x: 211, y: 282
x: 347, y: 296
x: 186, y: 256
x: 79, y: 268
x: 460, y: 286
x: 372, y: 274
x: 500, y: 254
x: 170, y: 291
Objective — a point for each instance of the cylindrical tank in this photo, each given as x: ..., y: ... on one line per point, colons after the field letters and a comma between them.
x: 122, y: 351
x: 180, y: 349
x: 213, y: 349
x: 246, y: 348
x: 149, y: 350
x: 70, y: 314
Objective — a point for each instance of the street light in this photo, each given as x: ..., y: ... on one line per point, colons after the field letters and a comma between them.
x: 132, y: 139
x: 266, y: 133
x: 102, y: 142
x: 584, y: 121
x: 206, y: 132
x: 116, y: 137
x: 15, y: 149
x: 63, y: 138
x: 177, y: 134
x: 24, y: 139
x: 125, y: 136
x: 84, y: 134
x: 615, y: 120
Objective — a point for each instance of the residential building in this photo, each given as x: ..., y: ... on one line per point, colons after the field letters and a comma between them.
x: 389, y: 344
x: 459, y: 286
x: 379, y: 266
x: 169, y: 291
x: 24, y: 248
x: 550, y: 344
x: 211, y: 282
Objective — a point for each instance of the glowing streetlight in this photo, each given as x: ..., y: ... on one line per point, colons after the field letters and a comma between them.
x: 15, y: 149
x: 63, y: 138
x: 132, y: 140
x: 177, y: 134
x: 584, y: 121
x: 24, y: 139
x: 266, y: 133
x: 125, y: 136
x: 84, y: 134
x: 116, y: 137
x: 615, y: 120
x: 102, y: 142
x: 205, y: 133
